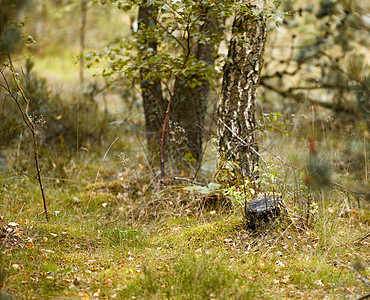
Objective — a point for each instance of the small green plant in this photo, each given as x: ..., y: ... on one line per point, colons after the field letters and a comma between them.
x: 54, y: 272
x: 242, y: 192
x: 272, y: 122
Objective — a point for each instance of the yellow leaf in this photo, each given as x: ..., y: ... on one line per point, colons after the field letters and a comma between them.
x: 85, y: 296
x: 97, y: 294
x: 31, y: 245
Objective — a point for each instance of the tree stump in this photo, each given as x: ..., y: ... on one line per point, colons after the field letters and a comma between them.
x: 263, y: 209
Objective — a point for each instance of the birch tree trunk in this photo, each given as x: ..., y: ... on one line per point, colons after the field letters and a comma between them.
x: 236, y: 109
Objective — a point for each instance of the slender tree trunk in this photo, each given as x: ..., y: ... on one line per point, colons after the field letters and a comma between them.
x: 236, y: 110
x: 82, y: 38
x: 40, y: 19
x: 151, y: 90
x: 190, y: 104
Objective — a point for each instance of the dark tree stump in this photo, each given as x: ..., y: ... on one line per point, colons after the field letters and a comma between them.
x: 263, y: 209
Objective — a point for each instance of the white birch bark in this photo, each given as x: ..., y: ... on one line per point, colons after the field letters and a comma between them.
x: 236, y: 109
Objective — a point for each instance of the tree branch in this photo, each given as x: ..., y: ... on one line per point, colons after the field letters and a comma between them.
x: 337, y: 263
x: 300, y: 98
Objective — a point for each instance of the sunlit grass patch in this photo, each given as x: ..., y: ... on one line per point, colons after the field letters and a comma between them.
x: 126, y: 238
x: 212, y: 233
x: 93, y: 245
x: 192, y: 276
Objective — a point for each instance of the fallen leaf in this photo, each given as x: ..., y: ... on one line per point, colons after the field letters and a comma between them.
x: 286, y: 279
x: 85, y: 296
x: 280, y: 264
x: 319, y: 282
x: 13, y: 224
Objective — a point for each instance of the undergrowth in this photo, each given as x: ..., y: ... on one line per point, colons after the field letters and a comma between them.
x: 117, y: 240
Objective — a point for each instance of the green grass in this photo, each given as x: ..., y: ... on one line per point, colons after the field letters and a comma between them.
x: 92, y: 248
x: 190, y: 276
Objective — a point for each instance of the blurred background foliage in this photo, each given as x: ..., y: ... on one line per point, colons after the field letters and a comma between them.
x: 316, y: 76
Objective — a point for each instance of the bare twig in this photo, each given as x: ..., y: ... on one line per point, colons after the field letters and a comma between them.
x: 298, y: 97
x: 363, y: 297
x: 172, y: 95
x: 28, y: 120
x: 37, y: 278
x: 362, y: 238
x: 105, y: 155
x: 189, y: 180
x: 243, y: 141
x: 337, y: 263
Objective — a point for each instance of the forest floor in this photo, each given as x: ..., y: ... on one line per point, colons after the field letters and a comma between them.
x: 127, y: 240
x: 120, y: 235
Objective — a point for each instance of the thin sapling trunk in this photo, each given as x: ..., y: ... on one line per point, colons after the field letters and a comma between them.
x: 28, y: 120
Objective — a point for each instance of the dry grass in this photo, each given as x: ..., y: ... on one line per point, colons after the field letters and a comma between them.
x: 131, y: 239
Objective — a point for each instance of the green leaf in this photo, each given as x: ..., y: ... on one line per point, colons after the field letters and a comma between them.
x: 51, y: 268
x: 197, y: 188
x: 213, y: 186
